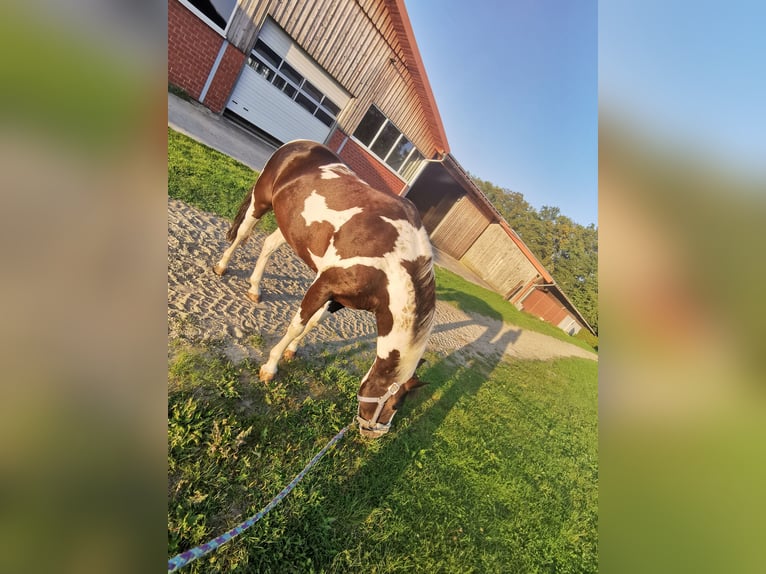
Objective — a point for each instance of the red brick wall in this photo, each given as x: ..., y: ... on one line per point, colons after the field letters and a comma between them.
x: 225, y: 77
x: 192, y: 49
x: 366, y: 165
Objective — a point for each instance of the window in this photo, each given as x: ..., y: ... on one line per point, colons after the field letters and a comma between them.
x: 387, y: 142
x: 290, y: 82
x: 306, y: 103
x: 267, y: 54
x: 216, y: 12
x: 388, y: 136
x: 290, y: 90
x: 371, y: 123
x: 411, y: 164
x: 260, y: 67
x: 330, y: 106
x: 289, y: 72
x: 399, y: 153
x: 324, y: 117
x: 312, y: 91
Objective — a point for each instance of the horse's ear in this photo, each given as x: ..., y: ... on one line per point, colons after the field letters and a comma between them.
x: 414, y: 383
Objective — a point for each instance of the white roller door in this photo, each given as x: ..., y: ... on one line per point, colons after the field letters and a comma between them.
x: 284, y: 92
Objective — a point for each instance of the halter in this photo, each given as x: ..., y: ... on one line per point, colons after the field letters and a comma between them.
x: 373, y: 425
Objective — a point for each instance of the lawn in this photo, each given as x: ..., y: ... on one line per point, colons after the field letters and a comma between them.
x: 492, y: 467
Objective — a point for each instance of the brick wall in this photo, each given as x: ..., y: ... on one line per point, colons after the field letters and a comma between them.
x: 192, y: 49
x: 225, y: 78
x: 366, y: 165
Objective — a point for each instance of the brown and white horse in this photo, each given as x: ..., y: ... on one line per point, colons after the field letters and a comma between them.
x: 369, y: 250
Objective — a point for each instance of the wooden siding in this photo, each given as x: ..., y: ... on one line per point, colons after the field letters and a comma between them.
x: 496, y: 259
x: 546, y: 306
x: 359, y: 44
x: 460, y: 228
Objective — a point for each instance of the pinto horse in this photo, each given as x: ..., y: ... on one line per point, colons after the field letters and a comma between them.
x: 369, y: 251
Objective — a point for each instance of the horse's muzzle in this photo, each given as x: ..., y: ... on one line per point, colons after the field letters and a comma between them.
x: 369, y: 430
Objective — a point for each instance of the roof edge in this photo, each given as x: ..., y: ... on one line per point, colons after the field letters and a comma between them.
x: 398, y: 12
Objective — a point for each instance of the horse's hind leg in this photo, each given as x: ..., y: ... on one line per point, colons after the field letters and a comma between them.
x: 244, y: 222
x: 269, y: 246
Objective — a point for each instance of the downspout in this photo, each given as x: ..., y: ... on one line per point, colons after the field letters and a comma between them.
x: 213, y: 70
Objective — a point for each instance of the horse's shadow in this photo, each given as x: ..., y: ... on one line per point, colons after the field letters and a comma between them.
x: 372, y: 483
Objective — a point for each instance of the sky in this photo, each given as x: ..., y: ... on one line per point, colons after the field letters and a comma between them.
x: 516, y: 85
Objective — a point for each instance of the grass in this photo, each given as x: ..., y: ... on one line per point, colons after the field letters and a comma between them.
x: 470, y: 297
x: 180, y: 92
x: 208, y: 179
x: 492, y: 467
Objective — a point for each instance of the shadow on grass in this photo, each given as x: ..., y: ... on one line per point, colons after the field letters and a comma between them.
x: 468, y: 303
x: 367, y: 490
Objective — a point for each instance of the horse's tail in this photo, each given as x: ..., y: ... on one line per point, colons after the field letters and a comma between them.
x: 231, y: 235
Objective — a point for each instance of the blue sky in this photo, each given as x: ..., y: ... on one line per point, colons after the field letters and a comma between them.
x: 517, y: 89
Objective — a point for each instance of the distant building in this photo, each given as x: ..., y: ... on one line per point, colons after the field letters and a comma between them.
x: 348, y: 73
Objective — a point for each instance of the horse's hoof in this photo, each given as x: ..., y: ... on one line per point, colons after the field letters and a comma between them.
x: 218, y: 270
x: 265, y: 375
x: 288, y: 355
x: 253, y: 297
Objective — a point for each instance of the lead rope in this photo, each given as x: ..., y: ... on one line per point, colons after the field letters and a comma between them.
x: 198, y: 552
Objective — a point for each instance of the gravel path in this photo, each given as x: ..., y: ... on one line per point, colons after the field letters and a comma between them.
x: 206, y: 307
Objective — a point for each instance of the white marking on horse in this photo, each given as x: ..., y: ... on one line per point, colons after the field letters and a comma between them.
x: 315, y: 210
x: 411, y: 243
x: 336, y: 170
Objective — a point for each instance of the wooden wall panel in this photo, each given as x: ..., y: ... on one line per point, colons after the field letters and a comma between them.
x: 496, y: 258
x: 462, y: 225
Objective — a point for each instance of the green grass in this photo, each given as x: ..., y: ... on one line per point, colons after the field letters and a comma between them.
x: 490, y: 468
x: 470, y: 297
x: 208, y: 179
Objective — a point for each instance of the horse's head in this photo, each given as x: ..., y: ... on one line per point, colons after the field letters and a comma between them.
x: 379, y: 399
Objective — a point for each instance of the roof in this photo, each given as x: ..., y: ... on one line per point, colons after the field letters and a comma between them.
x: 416, y: 69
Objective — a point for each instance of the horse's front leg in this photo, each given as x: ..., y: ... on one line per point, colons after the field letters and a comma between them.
x: 314, y: 304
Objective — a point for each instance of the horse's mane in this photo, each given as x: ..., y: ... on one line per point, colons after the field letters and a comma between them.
x: 421, y: 271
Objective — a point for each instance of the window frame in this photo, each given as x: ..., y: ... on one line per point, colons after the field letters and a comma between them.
x: 205, y: 19
x: 401, y: 172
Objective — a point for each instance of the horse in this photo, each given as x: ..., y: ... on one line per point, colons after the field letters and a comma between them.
x: 369, y: 251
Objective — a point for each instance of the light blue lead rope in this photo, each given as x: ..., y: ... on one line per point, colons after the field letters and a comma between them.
x: 190, y: 555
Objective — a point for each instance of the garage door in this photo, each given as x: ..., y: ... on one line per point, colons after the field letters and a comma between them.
x: 284, y: 92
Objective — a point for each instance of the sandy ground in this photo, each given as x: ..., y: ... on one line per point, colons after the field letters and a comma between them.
x: 205, y: 307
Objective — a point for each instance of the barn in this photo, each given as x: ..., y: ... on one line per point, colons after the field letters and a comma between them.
x: 348, y: 73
